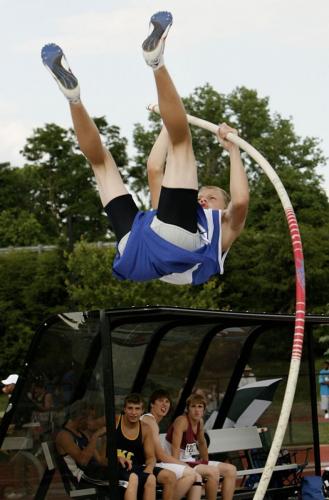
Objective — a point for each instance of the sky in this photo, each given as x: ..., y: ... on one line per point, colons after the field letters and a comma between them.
x: 278, y: 47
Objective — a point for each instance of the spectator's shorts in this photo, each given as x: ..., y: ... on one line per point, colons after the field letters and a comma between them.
x: 178, y: 469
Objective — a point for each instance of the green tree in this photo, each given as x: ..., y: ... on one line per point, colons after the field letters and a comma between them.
x: 20, y: 228
x: 91, y: 285
x: 32, y: 287
x: 11, y: 187
x: 61, y: 183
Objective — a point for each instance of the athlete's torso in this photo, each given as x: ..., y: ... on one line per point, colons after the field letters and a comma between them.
x: 189, y: 443
x: 132, y: 449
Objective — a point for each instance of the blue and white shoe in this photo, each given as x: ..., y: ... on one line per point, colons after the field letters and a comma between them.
x: 54, y: 59
x: 153, y: 46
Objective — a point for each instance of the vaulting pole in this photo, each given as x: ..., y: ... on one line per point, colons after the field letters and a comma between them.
x: 300, y: 299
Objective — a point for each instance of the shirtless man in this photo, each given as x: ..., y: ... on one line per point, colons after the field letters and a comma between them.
x: 159, y: 406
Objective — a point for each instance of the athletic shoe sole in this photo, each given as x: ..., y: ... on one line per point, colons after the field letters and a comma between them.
x: 54, y: 59
x: 153, y: 46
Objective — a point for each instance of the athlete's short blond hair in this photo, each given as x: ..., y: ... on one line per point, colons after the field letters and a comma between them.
x: 225, y: 195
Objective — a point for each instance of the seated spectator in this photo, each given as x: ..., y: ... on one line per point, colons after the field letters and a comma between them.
x: 185, y: 440
x: 134, y: 440
x: 186, y: 477
x: 80, y: 454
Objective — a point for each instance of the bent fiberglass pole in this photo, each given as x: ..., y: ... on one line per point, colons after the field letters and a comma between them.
x: 300, y: 299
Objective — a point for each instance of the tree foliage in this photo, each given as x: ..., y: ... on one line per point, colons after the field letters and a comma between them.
x: 62, y: 185
x: 20, y: 228
x: 31, y: 288
x: 92, y: 286
x: 53, y: 199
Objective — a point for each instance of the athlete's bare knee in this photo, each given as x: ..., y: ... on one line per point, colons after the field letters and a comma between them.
x: 101, y: 159
x: 167, y: 477
x: 149, y: 488
x: 150, y: 482
x: 183, y: 140
x: 133, y: 480
x: 213, y: 473
x: 232, y: 471
x: 227, y: 470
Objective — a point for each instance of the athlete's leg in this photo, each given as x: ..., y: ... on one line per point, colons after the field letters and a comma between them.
x: 181, y: 169
x: 184, y: 486
x: 107, y: 175
x: 167, y: 479
x: 211, y: 487
x: 211, y: 473
x: 149, y: 488
x: 196, y: 490
x: 228, y: 472
x: 156, y: 165
x: 131, y: 490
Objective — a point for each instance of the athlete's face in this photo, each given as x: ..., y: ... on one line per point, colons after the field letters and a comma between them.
x: 211, y: 198
x: 133, y: 412
x: 196, y: 411
x: 160, y: 407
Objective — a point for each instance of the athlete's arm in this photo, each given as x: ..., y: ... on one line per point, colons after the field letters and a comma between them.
x: 160, y: 453
x: 202, y: 443
x: 234, y: 216
x: 148, y: 448
x: 66, y: 445
x: 179, y: 427
x: 156, y: 165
